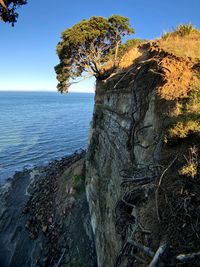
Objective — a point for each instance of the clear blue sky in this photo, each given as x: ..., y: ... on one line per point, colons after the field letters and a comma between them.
x: 27, y: 54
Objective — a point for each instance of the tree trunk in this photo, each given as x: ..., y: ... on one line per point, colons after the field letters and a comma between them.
x: 3, y: 4
x: 116, y: 53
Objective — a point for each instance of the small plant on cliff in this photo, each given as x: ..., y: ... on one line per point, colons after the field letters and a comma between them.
x: 8, y: 10
x: 191, y: 166
x: 86, y: 47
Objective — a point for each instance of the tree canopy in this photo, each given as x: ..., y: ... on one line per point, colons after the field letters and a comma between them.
x: 8, y: 10
x: 87, y: 46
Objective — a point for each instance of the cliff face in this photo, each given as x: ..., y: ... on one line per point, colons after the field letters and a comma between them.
x: 125, y: 153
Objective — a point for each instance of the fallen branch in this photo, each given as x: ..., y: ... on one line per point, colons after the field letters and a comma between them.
x: 188, y: 257
x: 158, y: 255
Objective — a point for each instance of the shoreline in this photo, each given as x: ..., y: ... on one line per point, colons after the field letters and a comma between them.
x: 42, y: 216
x: 6, y: 182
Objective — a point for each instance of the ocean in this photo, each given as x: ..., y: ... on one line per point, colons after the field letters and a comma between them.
x: 38, y: 127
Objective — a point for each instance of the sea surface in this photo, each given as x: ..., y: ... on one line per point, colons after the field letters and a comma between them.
x: 38, y: 127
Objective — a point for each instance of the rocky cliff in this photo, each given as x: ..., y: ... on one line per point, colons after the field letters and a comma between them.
x: 134, y: 185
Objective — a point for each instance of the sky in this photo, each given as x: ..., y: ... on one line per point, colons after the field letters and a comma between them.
x: 27, y: 54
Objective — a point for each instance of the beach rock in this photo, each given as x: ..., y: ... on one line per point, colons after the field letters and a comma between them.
x: 34, y: 225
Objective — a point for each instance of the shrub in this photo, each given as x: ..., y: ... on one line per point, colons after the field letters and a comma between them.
x: 183, y: 129
x: 191, y: 167
x: 181, y: 30
x: 186, y: 29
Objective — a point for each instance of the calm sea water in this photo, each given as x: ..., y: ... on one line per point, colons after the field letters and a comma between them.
x: 37, y: 127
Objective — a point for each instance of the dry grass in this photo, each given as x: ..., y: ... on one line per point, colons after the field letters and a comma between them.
x: 181, y: 91
x: 184, y: 41
x: 129, y: 58
x: 126, y: 61
x: 186, y: 46
x: 191, y: 166
x: 178, y: 77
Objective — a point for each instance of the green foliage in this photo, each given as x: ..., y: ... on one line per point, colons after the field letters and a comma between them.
x: 8, y: 10
x: 184, y: 128
x: 133, y: 42
x: 188, y: 121
x: 181, y: 30
x: 78, y: 183
x: 186, y: 29
x: 85, y: 47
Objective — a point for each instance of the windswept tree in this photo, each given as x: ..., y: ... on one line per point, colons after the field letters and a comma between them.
x: 87, y: 46
x: 8, y: 10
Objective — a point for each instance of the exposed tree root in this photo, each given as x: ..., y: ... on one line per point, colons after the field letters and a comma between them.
x: 188, y: 257
x: 158, y: 255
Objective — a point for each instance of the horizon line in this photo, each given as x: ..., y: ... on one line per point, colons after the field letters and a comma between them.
x: 46, y: 91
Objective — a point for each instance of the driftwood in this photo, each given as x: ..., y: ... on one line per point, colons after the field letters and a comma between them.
x: 158, y: 255
x: 187, y: 257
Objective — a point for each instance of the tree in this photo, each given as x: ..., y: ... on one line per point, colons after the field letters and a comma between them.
x: 87, y: 46
x: 8, y: 10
